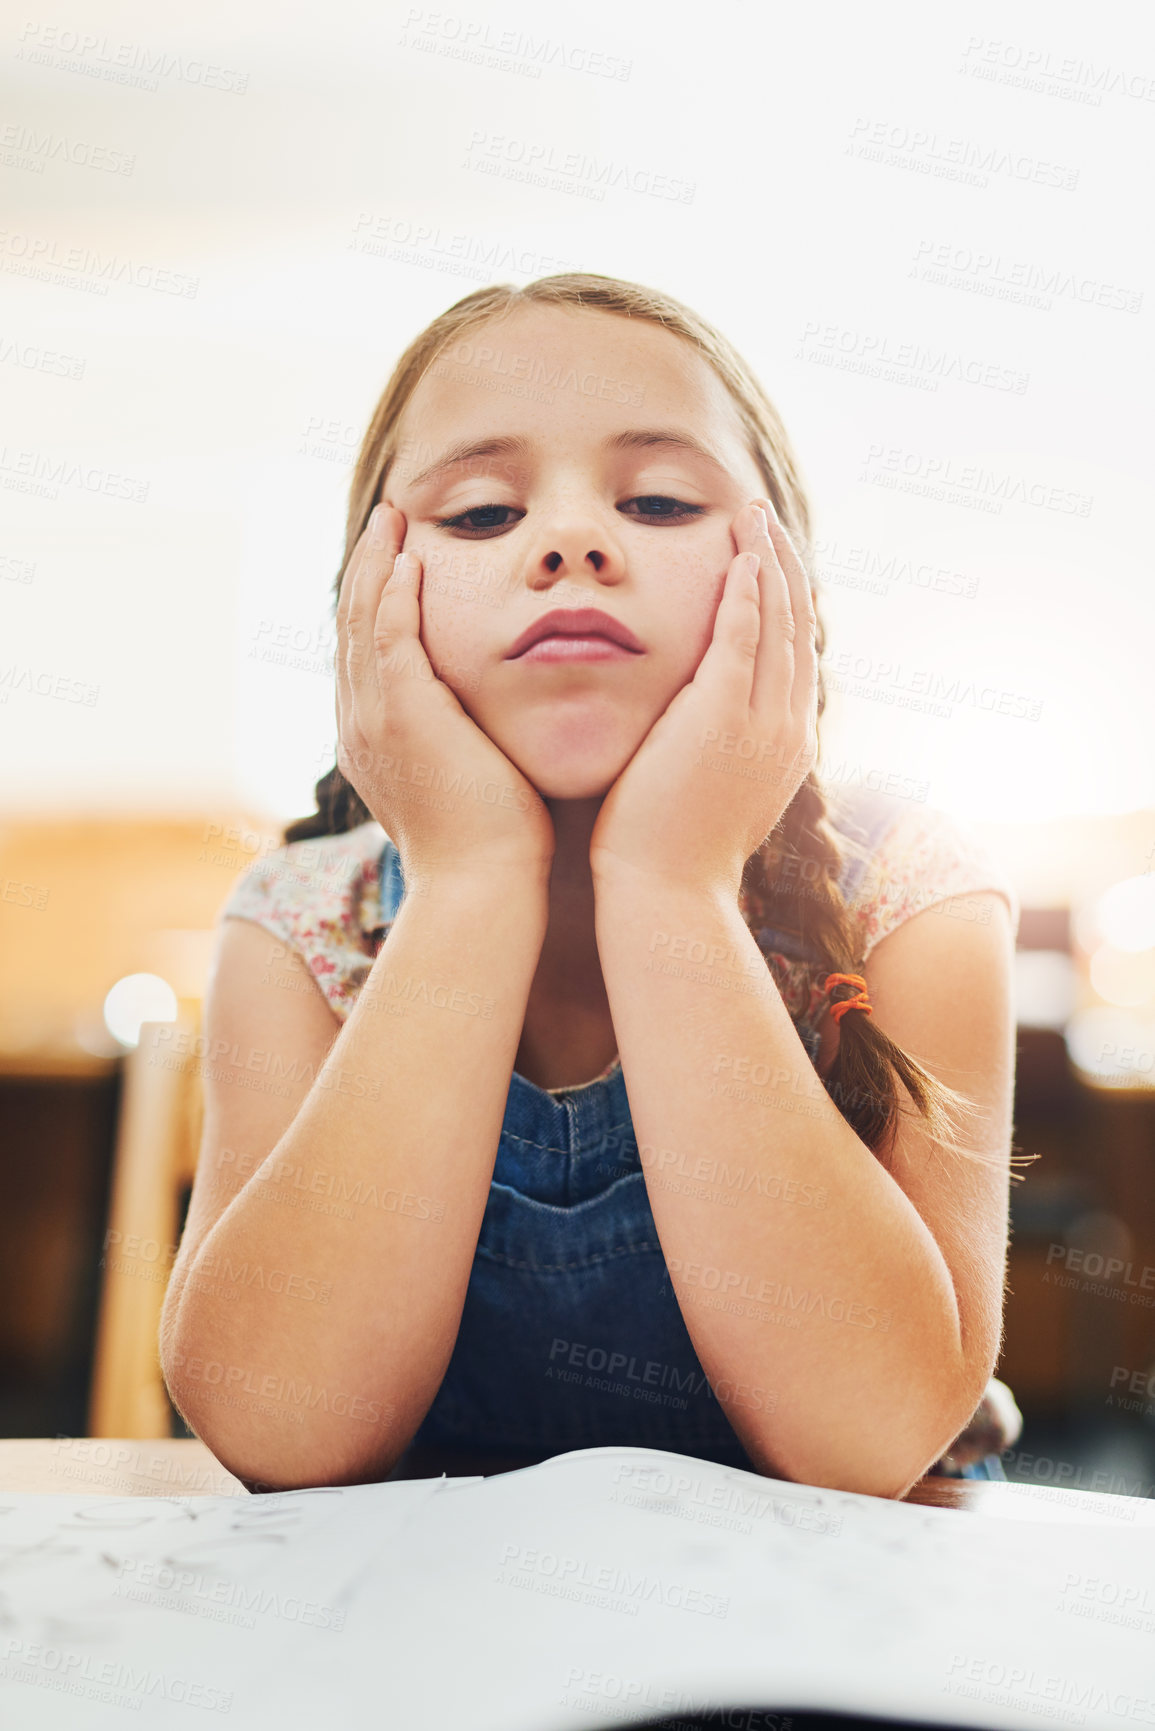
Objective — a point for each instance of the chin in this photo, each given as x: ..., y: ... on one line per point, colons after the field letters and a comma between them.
x: 576, y: 782
x: 566, y: 760
x: 569, y: 775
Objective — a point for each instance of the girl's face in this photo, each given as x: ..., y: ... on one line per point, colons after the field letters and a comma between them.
x: 590, y: 501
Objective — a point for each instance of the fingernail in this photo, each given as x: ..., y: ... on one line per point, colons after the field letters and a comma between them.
x: 377, y: 526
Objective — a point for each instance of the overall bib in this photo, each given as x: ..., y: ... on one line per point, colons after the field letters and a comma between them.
x: 571, y: 1336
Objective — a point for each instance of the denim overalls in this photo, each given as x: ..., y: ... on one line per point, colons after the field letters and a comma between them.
x: 571, y: 1336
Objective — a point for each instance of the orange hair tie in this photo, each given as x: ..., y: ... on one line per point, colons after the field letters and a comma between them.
x: 858, y: 1003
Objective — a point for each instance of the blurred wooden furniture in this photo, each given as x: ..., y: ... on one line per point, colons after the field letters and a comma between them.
x: 158, y: 1137
x: 115, y: 1467
x: 86, y: 898
x: 58, y: 1117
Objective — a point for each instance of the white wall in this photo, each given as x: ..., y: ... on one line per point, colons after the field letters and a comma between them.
x: 345, y: 124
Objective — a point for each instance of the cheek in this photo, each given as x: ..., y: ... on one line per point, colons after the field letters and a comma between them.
x: 463, y: 616
x: 691, y: 580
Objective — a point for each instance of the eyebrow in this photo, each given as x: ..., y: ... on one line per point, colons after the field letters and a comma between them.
x: 634, y: 438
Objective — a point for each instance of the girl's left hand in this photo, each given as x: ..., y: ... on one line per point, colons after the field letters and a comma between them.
x: 718, y: 769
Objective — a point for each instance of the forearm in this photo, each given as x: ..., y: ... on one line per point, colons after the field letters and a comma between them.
x: 373, y: 1198
x: 817, y: 1298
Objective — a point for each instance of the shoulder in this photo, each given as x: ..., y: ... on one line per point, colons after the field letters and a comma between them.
x: 906, y: 857
x: 320, y: 898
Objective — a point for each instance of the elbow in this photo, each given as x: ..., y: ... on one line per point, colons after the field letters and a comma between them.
x: 269, y: 1456
x: 882, y: 1456
x: 287, y: 1437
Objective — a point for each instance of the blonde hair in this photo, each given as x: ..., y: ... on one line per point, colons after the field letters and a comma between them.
x: 807, y: 901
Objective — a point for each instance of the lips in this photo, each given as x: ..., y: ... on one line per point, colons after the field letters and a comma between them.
x: 575, y: 622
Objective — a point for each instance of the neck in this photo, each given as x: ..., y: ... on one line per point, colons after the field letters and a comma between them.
x: 568, y: 1035
x: 569, y: 950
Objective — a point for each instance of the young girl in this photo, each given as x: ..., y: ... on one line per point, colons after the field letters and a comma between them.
x: 565, y: 1043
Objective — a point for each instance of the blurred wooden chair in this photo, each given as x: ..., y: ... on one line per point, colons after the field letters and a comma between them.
x: 157, y: 1141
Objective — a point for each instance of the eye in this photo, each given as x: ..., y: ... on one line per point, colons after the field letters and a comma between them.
x: 462, y: 521
x: 656, y: 508
x: 681, y: 513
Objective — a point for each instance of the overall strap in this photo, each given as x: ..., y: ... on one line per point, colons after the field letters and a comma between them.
x: 392, y: 883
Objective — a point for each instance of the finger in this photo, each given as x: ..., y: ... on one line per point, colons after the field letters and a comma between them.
x: 804, y: 692
x: 775, y: 670
x: 383, y: 532
x: 374, y: 558
x: 725, y: 674
x: 375, y: 528
x: 400, y: 653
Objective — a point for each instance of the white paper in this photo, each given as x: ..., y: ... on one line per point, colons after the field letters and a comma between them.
x: 605, y: 1587
x: 158, y: 1611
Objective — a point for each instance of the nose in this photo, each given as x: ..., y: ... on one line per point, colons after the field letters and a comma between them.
x: 575, y: 543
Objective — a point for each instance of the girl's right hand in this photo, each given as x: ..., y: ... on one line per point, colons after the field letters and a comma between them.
x: 443, y: 792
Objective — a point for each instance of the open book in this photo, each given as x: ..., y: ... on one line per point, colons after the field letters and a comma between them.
x: 607, y: 1587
